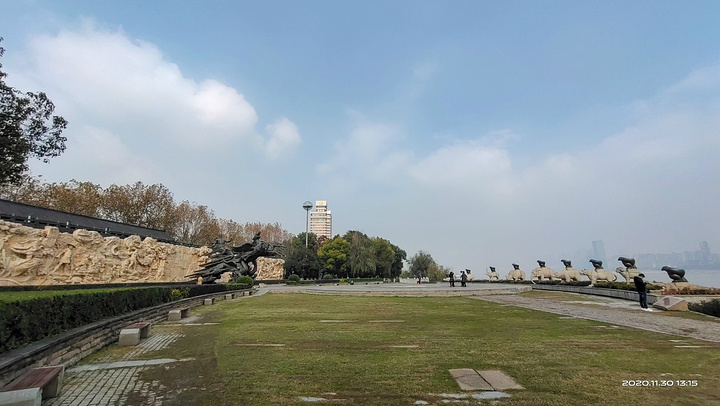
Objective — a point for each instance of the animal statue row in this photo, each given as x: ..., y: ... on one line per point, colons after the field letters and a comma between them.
x: 569, y: 274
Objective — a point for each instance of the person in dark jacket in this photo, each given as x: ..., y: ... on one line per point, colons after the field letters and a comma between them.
x: 463, y: 279
x: 642, y: 289
x: 452, y: 279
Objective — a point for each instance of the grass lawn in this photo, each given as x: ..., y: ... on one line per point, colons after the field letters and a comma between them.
x: 276, y: 348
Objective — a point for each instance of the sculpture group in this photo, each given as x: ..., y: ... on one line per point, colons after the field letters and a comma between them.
x: 238, y: 261
x: 570, y: 274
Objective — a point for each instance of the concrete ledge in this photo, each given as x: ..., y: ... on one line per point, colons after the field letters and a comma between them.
x: 22, y: 397
x: 229, y: 296
x: 616, y: 293
x: 209, y: 301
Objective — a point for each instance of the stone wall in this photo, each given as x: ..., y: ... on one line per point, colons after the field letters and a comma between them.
x: 30, y: 256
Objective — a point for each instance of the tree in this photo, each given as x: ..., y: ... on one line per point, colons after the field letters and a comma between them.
x: 384, y: 257
x: 303, y: 261
x: 397, y: 265
x: 333, y: 255
x: 421, y: 263
x: 27, y: 129
x: 361, y: 261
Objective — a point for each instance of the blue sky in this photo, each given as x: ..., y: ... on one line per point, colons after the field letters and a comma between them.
x: 485, y: 133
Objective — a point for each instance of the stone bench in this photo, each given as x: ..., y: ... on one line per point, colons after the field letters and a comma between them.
x: 33, y: 386
x: 132, y: 334
x: 229, y: 296
x: 177, y: 314
x: 209, y: 301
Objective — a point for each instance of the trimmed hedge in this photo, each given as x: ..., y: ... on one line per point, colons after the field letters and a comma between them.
x: 710, y: 307
x: 26, y: 321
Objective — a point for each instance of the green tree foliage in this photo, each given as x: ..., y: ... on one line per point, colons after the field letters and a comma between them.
x: 334, y: 256
x: 436, y: 273
x: 303, y: 261
x: 398, y: 261
x: 27, y: 129
x: 361, y: 260
x: 421, y: 263
x: 384, y: 257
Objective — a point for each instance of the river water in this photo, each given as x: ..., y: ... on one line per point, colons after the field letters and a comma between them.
x: 708, y: 278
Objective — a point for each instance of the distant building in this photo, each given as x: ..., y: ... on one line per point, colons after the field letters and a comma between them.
x: 321, y: 220
x: 599, y: 252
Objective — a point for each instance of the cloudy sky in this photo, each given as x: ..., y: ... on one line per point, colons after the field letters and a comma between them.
x: 482, y: 132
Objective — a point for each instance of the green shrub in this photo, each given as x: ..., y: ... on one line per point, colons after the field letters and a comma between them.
x: 294, y: 278
x: 177, y: 294
x: 328, y: 276
x: 291, y: 282
x: 710, y: 307
x: 26, y: 321
x: 243, y: 282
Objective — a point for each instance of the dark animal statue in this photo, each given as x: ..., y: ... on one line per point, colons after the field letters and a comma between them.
x: 516, y: 266
x: 676, y: 274
x: 541, y: 263
x: 629, y: 263
x: 240, y: 260
x: 596, y: 263
x: 568, y: 264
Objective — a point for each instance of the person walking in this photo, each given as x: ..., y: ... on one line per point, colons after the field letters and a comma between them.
x: 463, y: 279
x: 452, y: 279
x: 419, y: 278
x: 642, y: 289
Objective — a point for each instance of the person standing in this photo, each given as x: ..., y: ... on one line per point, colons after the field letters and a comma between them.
x: 641, y: 288
x: 452, y: 279
x: 463, y: 279
x: 419, y: 278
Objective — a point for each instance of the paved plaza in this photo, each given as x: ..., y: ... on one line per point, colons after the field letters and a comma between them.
x: 113, y: 382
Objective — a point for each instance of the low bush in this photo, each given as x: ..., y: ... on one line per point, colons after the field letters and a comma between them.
x: 243, y: 282
x: 26, y: 321
x: 624, y: 285
x: 710, y: 307
x: 294, y: 277
x: 328, y: 276
x: 177, y: 294
x: 560, y: 282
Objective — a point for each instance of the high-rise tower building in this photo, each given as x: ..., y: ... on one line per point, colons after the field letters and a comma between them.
x: 321, y: 220
x: 599, y: 251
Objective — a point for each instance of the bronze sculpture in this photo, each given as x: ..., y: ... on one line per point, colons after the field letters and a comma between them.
x: 240, y: 260
x: 676, y: 274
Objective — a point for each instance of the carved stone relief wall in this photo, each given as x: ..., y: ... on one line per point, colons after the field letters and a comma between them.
x: 30, y: 256
x: 270, y: 268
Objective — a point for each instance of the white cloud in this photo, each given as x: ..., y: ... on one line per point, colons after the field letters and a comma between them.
x: 128, y: 90
x: 283, y: 138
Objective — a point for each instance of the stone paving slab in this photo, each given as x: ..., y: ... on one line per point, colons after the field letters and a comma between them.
x: 499, y: 380
x: 125, y: 364
x: 468, y: 379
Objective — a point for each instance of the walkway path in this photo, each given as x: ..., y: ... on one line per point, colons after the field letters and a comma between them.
x: 616, y: 311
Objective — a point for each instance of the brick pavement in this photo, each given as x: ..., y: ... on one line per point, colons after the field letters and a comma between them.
x: 114, y: 383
